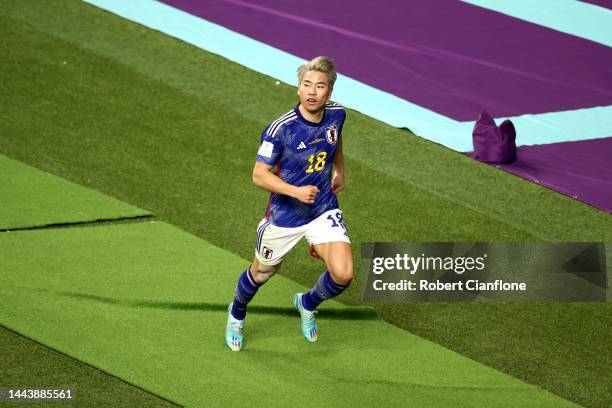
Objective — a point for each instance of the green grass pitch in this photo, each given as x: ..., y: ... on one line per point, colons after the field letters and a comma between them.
x: 169, y: 128
x: 147, y: 302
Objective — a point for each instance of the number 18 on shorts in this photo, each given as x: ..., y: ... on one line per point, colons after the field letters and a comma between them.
x: 273, y: 242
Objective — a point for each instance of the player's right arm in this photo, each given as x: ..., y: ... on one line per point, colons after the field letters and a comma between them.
x: 268, y: 155
x: 264, y: 177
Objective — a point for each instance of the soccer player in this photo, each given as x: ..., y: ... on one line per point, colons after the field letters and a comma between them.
x: 300, y: 162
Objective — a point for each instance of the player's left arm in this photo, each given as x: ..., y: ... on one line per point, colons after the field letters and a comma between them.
x: 338, y: 176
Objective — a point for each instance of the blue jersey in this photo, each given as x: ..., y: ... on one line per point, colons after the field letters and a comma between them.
x: 303, y: 154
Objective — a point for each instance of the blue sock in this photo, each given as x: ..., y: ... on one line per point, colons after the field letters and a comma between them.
x: 245, y: 290
x: 325, y: 289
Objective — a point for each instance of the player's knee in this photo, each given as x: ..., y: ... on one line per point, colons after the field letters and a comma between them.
x: 261, y: 273
x: 343, y: 274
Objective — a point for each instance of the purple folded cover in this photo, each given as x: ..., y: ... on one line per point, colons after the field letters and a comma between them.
x: 494, y: 144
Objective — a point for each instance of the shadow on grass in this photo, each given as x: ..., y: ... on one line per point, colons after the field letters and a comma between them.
x: 352, y: 313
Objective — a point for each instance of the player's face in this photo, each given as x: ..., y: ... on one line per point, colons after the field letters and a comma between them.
x: 314, y: 91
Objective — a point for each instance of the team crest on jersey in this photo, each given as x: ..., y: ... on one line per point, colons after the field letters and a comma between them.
x: 266, y: 252
x: 331, y: 134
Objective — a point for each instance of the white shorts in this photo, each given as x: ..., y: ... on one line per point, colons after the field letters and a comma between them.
x: 273, y: 242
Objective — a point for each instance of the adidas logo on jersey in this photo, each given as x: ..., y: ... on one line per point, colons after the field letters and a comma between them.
x: 301, y: 146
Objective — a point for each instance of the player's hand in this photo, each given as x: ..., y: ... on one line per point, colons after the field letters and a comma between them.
x: 307, y: 194
x: 337, y: 183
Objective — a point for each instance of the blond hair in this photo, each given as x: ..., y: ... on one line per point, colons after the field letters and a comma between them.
x: 321, y: 64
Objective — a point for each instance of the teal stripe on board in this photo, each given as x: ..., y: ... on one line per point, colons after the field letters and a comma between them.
x: 531, y: 129
x: 568, y: 16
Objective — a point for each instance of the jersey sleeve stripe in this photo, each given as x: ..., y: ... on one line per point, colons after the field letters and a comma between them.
x: 272, y: 132
x: 277, y: 121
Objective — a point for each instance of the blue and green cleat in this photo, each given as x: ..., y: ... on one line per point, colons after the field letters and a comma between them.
x: 309, y: 321
x: 234, y: 337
